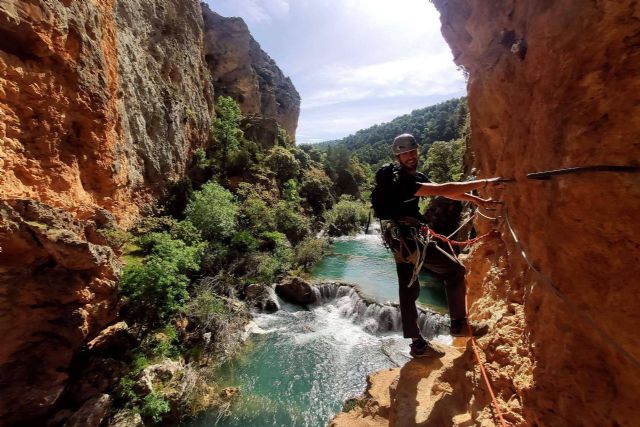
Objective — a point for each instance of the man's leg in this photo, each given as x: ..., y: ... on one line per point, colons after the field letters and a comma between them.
x: 446, y: 266
x: 408, y: 297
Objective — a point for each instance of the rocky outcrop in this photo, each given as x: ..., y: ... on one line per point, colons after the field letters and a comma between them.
x: 58, y: 291
x: 100, y: 100
x: 296, y: 290
x: 551, y: 85
x: 165, y: 93
x: 242, y: 70
x: 406, y: 396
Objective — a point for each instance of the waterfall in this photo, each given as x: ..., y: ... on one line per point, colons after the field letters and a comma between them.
x: 373, y: 316
x: 273, y: 297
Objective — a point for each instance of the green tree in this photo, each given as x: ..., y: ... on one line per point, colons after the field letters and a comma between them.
x: 445, y: 161
x: 213, y: 211
x: 226, y: 128
x: 316, y: 191
x: 283, y: 163
x: 346, y: 217
x: 156, y: 289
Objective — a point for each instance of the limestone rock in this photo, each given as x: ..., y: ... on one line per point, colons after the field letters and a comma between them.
x: 112, y: 341
x: 92, y: 413
x: 126, y: 418
x: 166, y: 98
x: 405, y: 396
x: 98, y: 376
x: 261, y: 296
x: 57, y: 291
x: 184, y: 389
x: 242, y: 70
x: 296, y: 290
x: 102, y: 101
x: 555, y: 85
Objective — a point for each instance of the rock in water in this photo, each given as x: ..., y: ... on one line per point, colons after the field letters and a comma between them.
x: 296, y: 290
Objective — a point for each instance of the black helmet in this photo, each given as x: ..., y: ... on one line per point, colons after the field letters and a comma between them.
x: 403, y: 143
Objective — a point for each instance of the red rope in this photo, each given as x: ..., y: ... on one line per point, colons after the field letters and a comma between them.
x: 474, y: 345
x: 454, y: 242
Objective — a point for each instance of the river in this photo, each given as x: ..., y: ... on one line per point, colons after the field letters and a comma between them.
x: 300, y: 364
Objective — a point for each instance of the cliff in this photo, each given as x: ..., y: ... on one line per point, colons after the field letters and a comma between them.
x: 551, y: 85
x: 101, y: 105
x: 242, y: 70
x: 100, y: 100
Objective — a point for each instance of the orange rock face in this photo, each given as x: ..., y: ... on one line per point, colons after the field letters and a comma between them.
x: 101, y: 103
x: 555, y: 85
x: 58, y: 290
x: 57, y: 104
x: 89, y: 113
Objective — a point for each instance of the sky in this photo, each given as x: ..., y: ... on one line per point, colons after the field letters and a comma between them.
x: 355, y: 63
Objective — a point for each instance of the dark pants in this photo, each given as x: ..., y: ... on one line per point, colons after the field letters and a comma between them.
x: 444, y: 266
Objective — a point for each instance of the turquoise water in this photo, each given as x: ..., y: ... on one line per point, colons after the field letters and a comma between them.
x: 363, y: 260
x: 300, y: 364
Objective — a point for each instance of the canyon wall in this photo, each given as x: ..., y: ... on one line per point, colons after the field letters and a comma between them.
x: 242, y: 70
x: 553, y: 84
x: 100, y: 100
x: 102, y: 103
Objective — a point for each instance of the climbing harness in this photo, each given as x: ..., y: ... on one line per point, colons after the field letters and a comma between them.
x: 399, y: 234
x: 421, y: 236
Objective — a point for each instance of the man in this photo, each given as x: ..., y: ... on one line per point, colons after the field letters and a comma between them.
x: 401, y: 234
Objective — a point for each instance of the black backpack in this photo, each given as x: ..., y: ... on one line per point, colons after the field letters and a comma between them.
x: 383, y: 200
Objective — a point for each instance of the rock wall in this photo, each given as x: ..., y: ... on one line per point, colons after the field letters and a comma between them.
x: 101, y: 100
x: 101, y: 104
x: 242, y: 70
x: 58, y: 290
x: 555, y: 85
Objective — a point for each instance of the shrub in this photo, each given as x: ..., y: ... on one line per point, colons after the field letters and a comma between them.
x: 255, y: 216
x: 116, y: 238
x: 213, y: 211
x: 283, y: 163
x: 316, y: 190
x: 154, y: 406
x: 293, y: 224
x: 206, y: 307
x: 346, y: 217
x: 226, y: 125
x: 157, y: 288
x: 182, y: 230
x: 244, y: 241
x: 290, y: 192
x: 275, y: 261
x: 310, y: 251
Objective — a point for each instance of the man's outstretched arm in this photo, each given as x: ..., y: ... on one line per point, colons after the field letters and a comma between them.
x: 459, y: 190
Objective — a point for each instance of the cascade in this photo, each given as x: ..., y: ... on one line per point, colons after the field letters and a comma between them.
x: 373, y: 316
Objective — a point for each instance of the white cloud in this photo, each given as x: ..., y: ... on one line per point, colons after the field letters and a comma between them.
x: 424, y: 75
x: 355, y: 63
